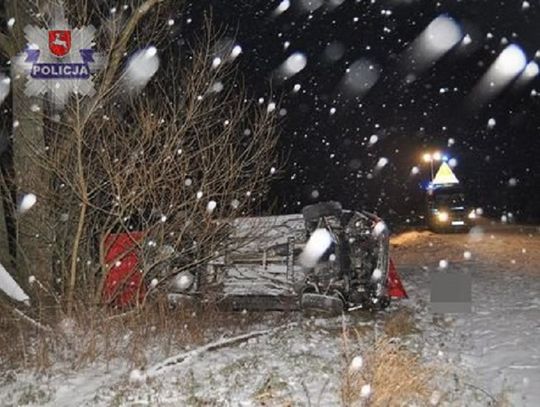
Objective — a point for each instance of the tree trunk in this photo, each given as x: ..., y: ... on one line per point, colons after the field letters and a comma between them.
x: 33, y: 227
x: 33, y: 253
x: 5, y: 256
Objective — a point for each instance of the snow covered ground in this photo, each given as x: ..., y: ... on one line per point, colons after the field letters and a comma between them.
x: 296, y: 360
x: 498, y: 342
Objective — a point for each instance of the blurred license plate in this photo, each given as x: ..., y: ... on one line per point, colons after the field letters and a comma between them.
x: 458, y: 223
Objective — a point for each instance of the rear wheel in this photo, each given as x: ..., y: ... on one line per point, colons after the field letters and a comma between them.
x: 331, y: 304
x: 314, y: 212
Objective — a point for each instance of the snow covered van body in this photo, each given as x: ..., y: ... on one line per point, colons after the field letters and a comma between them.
x: 262, y: 266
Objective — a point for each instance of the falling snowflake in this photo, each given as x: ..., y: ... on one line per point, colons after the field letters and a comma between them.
x: 236, y: 51
x: 376, y: 275
x: 293, y: 64
x: 141, y: 67
x: 27, y: 202
x: 356, y: 364
x: 211, y: 206
x: 379, y: 228
x: 5, y: 83
x: 282, y: 7
x: 319, y: 241
x: 383, y: 161
x: 365, y: 391
x: 216, y: 62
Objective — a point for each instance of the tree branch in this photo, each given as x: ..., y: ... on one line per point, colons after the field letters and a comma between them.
x: 7, y: 47
x: 120, y: 47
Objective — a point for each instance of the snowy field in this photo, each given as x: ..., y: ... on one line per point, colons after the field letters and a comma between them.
x: 290, y: 359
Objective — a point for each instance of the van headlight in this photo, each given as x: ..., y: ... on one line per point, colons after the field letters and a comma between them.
x: 183, y: 281
x: 443, y: 216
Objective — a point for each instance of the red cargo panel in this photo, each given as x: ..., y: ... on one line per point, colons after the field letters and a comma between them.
x: 124, y: 279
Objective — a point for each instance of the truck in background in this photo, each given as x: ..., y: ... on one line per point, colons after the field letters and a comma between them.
x: 448, y: 209
x: 447, y: 206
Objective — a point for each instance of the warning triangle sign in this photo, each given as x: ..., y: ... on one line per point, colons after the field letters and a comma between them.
x: 445, y: 176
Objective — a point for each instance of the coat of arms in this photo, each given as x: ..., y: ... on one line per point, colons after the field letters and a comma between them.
x: 59, y: 42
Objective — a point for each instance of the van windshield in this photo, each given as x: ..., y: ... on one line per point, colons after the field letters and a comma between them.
x: 454, y: 199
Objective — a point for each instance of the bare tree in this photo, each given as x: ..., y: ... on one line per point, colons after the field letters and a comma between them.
x: 171, y: 161
x: 32, y: 251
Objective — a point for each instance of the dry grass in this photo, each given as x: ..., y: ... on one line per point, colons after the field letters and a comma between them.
x: 396, y: 376
x: 400, y: 324
x: 96, y: 334
x: 502, y: 399
x: 274, y: 392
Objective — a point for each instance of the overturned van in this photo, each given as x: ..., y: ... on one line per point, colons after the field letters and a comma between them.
x: 261, y: 267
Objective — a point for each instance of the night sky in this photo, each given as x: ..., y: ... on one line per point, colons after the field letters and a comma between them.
x: 327, y: 149
x: 325, y: 131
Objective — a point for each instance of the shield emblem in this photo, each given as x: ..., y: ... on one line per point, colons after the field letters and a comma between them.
x: 59, y: 42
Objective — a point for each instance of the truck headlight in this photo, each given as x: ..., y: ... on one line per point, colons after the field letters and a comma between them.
x: 443, y: 216
x: 472, y: 214
x: 183, y: 281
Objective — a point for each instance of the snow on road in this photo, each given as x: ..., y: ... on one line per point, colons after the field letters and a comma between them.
x: 498, y: 341
x: 503, y: 247
x: 491, y: 351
